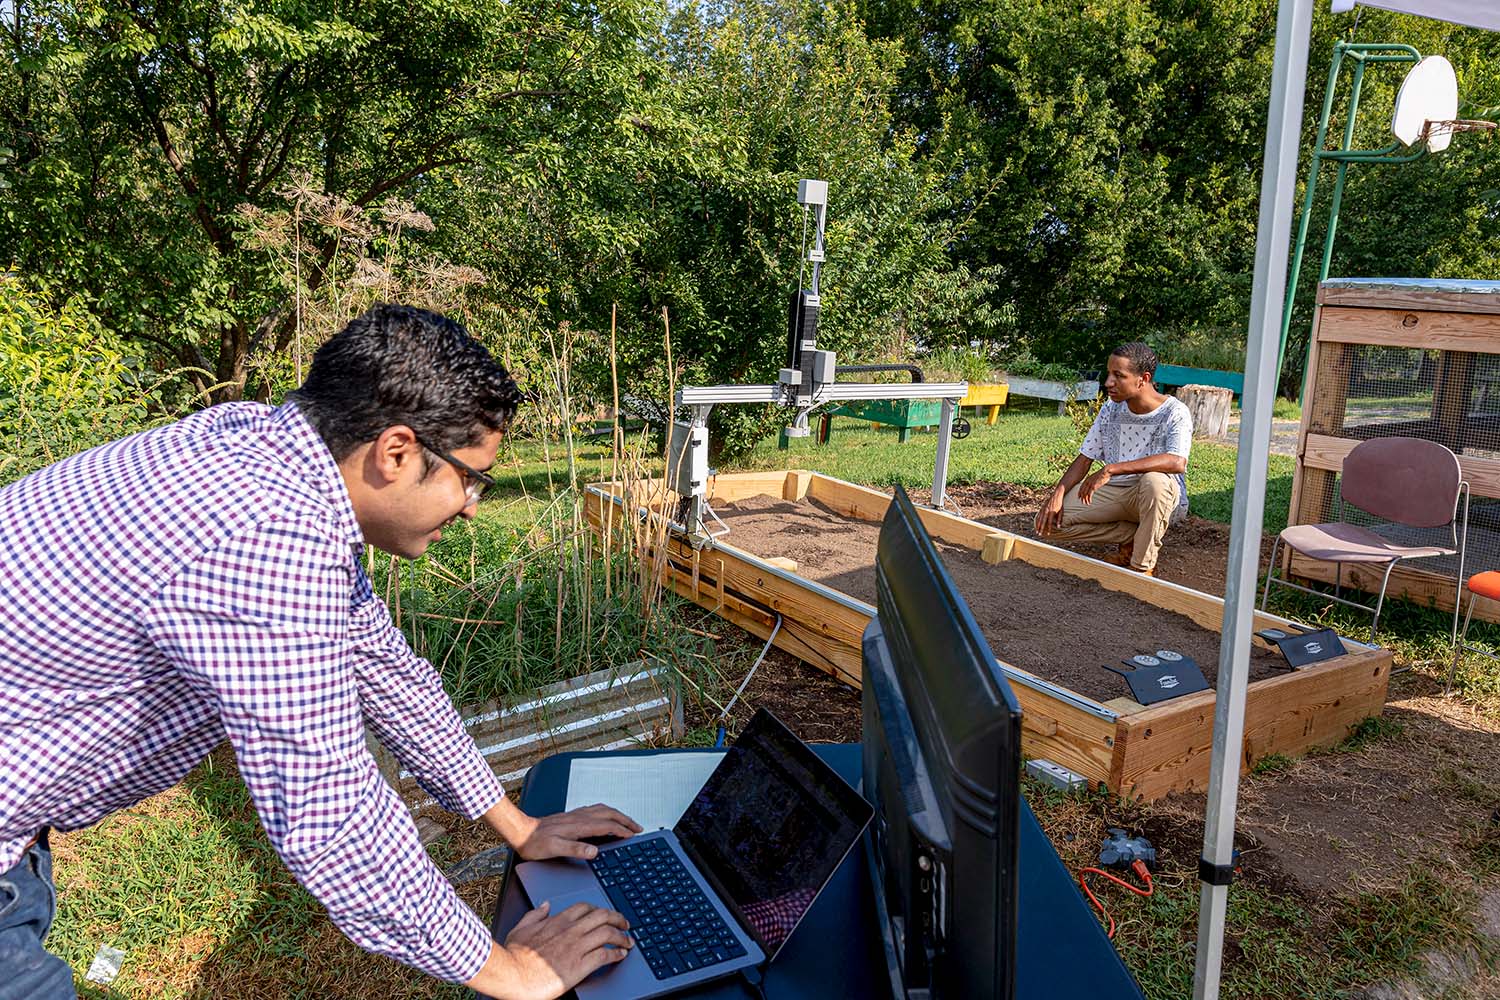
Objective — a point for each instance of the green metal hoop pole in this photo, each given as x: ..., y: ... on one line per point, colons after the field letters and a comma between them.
x: 1361, y: 53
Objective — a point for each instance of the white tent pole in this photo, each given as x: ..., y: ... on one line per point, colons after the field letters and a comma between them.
x: 1278, y: 191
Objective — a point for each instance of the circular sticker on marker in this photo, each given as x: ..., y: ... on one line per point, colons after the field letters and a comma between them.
x: 1145, y: 660
x: 1168, y: 655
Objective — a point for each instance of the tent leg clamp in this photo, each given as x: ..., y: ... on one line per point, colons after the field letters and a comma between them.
x: 1217, y: 874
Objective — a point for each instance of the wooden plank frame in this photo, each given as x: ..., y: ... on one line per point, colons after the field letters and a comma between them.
x: 1126, y: 747
x: 1461, y: 318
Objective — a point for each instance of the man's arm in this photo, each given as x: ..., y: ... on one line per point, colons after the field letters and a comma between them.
x: 1049, y: 518
x: 559, y: 835
x: 1168, y: 463
x: 258, y: 629
x: 545, y: 957
x: 403, y: 701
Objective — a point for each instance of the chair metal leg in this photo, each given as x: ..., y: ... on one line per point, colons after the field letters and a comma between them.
x: 1458, y: 645
x: 1380, y: 601
x: 1458, y: 576
x: 1338, y: 579
x: 1270, y: 571
x: 1458, y: 598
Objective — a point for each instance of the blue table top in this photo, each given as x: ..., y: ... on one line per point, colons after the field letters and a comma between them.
x: 1062, y: 952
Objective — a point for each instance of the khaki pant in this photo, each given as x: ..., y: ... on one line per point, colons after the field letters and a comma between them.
x: 1140, y: 511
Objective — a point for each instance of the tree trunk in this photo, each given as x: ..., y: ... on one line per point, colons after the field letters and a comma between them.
x: 232, y: 368
x: 1209, y: 406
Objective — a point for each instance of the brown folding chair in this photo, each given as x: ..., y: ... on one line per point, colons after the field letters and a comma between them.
x: 1404, y: 481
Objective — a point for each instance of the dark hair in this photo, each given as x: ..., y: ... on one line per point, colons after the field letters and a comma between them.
x: 400, y: 365
x: 1141, y: 357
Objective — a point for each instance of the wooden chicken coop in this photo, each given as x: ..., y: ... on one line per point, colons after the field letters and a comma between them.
x: 1413, y: 358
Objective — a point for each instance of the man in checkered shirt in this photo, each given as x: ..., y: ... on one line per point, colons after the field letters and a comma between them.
x: 203, y: 581
x: 1143, y: 438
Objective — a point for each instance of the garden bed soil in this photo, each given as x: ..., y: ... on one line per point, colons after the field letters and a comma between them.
x: 1058, y: 627
x: 1195, y: 552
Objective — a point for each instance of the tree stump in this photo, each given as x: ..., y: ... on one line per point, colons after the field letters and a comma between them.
x: 1209, y: 406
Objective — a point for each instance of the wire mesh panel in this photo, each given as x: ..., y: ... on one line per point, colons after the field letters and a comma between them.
x: 1451, y: 397
x: 1409, y: 359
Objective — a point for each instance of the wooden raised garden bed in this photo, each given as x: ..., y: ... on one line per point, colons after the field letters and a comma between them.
x: 1129, y: 748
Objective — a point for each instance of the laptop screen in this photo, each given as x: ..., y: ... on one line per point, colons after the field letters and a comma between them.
x: 771, y: 826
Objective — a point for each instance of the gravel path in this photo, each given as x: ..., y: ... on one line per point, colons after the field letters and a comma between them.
x: 1283, y: 436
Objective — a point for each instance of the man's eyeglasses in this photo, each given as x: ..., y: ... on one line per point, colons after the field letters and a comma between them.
x: 475, y: 482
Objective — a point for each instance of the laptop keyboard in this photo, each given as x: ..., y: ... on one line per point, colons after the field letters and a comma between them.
x: 676, y: 928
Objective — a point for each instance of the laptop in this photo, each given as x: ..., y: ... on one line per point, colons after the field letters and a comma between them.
x: 722, y: 890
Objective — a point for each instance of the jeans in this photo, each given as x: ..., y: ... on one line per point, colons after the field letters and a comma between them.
x: 28, y: 902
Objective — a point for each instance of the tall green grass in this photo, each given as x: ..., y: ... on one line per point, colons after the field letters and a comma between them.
x: 502, y: 608
x: 527, y: 592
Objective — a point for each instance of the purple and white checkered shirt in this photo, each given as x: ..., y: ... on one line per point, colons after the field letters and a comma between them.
x: 203, y: 580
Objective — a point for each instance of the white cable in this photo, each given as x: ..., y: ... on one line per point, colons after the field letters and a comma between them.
x: 756, y: 666
x: 714, y: 514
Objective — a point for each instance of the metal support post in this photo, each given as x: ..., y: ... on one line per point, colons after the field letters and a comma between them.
x: 1278, y: 191
x: 702, y: 398
x: 940, y: 465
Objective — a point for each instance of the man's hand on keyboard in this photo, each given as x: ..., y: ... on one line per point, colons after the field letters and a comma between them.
x: 546, y: 955
x: 561, y: 835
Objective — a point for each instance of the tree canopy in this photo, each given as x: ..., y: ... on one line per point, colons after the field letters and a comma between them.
x: 222, y: 185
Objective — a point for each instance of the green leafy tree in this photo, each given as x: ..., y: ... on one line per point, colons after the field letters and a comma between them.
x: 1101, y: 157
x: 685, y: 203
x: 141, y: 131
x: 761, y: 95
x: 1103, y: 161
x: 68, y: 384
x: 1437, y: 217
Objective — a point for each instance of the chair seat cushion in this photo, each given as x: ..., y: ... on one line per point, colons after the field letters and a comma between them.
x: 1340, y: 542
x: 1486, y: 584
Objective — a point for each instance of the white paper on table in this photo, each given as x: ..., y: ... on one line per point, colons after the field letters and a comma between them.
x: 653, y: 790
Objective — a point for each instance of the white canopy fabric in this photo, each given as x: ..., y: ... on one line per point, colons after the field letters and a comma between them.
x: 1474, y: 13
x: 1272, y: 249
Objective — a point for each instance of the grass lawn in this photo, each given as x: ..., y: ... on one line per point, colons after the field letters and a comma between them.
x: 187, y: 884
x: 1025, y: 448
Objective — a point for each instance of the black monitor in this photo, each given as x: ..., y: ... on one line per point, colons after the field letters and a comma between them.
x: 942, y: 766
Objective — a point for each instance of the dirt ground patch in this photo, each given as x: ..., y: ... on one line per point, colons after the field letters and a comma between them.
x: 816, y: 707
x: 1424, y: 792
x: 1195, y: 553
x: 1043, y: 621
